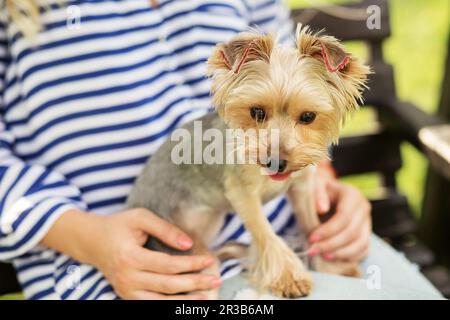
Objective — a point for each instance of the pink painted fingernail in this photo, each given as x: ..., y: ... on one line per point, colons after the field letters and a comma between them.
x: 216, y: 282
x: 328, y: 256
x: 208, y: 261
x: 313, y: 252
x: 314, y: 238
x: 184, y: 241
x: 324, y: 206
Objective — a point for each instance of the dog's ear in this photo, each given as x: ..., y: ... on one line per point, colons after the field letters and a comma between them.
x: 327, y: 49
x: 346, y: 73
x: 243, y: 48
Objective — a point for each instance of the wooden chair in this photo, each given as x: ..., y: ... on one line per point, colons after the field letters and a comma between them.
x: 375, y: 152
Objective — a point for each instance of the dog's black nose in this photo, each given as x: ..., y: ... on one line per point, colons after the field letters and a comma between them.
x: 282, y: 164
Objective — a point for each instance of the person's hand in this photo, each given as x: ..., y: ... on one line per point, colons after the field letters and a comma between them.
x: 114, y: 244
x: 346, y: 235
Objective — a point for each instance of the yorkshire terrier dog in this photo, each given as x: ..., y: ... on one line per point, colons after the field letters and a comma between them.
x: 304, y: 93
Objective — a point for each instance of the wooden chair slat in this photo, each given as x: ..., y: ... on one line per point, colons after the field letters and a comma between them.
x: 8, y: 280
x: 378, y: 152
x: 350, y: 24
x: 381, y: 84
x: 392, y: 216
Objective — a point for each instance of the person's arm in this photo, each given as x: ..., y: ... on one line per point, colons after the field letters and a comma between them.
x: 346, y: 235
x: 114, y: 245
x: 272, y: 17
x: 40, y: 208
x: 31, y: 196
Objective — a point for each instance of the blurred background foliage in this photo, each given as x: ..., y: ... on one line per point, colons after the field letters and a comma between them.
x: 417, y: 50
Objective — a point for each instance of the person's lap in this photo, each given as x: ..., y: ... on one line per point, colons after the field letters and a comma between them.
x: 387, y: 275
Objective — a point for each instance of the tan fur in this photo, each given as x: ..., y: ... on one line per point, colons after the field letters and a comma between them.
x: 200, y: 248
x: 273, y: 264
x: 25, y: 13
x: 286, y: 82
x: 301, y: 196
x: 202, y: 225
x: 232, y: 250
x: 252, y: 71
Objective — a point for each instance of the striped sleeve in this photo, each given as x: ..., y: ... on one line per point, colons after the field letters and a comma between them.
x: 272, y: 16
x: 31, y: 196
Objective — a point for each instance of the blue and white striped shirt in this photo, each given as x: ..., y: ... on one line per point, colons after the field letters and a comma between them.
x: 83, y: 107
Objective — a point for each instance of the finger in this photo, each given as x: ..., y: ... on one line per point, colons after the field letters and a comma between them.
x: 322, y: 198
x: 160, y: 262
x: 172, y: 284
x: 346, y: 205
x: 362, y: 255
x: 349, y: 234
x: 334, y: 190
x: 355, y: 249
x: 364, y: 235
x: 163, y: 230
x: 147, y: 295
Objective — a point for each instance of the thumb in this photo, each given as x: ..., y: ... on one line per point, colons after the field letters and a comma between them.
x: 168, y: 233
x: 322, y: 197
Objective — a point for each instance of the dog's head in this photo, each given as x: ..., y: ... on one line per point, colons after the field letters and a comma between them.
x: 305, y: 92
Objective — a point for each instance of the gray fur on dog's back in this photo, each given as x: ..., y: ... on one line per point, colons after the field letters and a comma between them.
x: 164, y: 187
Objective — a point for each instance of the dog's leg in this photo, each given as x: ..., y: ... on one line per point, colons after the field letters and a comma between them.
x: 301, y: 196
x: 274, y: 265
x: 232, y: 250
x: 200, y: 248
x: 202, y: 224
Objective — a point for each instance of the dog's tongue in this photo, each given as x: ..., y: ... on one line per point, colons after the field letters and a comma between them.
x: 280, y: 176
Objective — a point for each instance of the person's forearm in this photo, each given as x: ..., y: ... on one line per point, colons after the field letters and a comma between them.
x: 72, y: 234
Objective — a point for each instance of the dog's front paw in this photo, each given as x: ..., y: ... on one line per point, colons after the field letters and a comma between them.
x: 281, y: 271
x: 292, y: 286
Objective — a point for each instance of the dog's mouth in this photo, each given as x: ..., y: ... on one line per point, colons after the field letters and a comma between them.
x: 280, y: 176
x: 283, y: 173
x: 277, y: 176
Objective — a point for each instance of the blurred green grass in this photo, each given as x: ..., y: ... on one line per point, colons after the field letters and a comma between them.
x: 417, y: 50
x: 14, y: 296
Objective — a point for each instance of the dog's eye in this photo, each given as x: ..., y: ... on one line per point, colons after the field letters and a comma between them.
x: 307, y: 117
x: 258, y: 114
